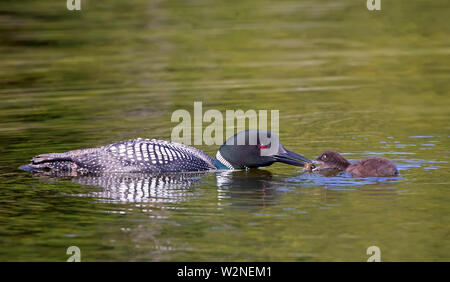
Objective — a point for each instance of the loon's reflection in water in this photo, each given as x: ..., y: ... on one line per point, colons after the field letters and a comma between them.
x: 253, y: 187
x: 135, y: 187
x: 141, y: 188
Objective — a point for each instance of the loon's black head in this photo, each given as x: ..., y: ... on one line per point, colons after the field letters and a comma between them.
x: 256, y: 148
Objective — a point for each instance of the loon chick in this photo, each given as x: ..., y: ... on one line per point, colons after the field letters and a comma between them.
x: 376, y: 167
x: 151, y: 155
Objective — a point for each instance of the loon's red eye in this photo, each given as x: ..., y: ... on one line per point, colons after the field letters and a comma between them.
x: 262, y: 146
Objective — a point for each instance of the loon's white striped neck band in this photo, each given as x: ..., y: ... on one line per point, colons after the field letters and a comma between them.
x: 223, y: 160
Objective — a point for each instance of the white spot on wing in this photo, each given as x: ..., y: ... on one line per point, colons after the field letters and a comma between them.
x: 137, y: 151
x: 122, y: 149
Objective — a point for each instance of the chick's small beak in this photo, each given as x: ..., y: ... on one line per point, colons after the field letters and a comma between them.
x: 317, y: 162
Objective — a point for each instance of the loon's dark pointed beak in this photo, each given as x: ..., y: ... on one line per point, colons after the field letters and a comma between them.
x: 288, y: 157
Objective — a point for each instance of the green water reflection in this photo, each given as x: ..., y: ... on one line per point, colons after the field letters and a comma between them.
x: 363, y: 83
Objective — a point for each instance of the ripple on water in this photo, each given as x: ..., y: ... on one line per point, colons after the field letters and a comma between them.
x: 340, y: 182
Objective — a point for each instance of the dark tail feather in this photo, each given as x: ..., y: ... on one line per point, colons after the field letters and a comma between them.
x: 52, y: 157
x: 53, y: 161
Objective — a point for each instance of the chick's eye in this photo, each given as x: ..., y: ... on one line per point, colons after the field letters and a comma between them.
x: 324, y: 157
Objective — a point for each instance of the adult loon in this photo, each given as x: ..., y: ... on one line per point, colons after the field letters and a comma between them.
x: 151, y: 155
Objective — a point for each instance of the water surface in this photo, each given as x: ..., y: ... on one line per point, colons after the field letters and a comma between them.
x: 343, y: 78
